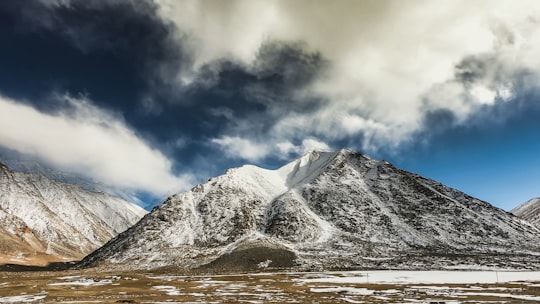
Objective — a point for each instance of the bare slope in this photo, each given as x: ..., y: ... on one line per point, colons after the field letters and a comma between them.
x: 324, y: 210
x: 42, y: 220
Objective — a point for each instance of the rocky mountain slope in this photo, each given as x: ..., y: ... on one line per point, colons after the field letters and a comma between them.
x: 529, y: 211
x: 322, y: 211
x: 42, y: 220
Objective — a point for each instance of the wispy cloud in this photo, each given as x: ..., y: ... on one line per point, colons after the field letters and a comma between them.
x: 237, y: 147
x: 85, y: 139
x: 245, y: 148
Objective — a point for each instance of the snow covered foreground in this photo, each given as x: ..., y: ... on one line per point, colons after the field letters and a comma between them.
x: 423, y: 277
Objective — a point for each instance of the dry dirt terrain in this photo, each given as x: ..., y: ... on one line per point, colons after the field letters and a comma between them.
x: 329, y: 287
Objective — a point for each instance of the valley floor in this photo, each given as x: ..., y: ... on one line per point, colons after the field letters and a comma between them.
x: 317, y: 287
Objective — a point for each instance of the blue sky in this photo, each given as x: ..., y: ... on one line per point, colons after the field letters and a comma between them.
x: 152, y: 97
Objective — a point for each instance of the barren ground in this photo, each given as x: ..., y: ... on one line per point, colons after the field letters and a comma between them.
x: 89, y: 286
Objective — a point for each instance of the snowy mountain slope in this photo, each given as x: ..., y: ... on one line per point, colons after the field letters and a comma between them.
x: 42, y: 216
x: 529, y: 211
x: 329, y: 210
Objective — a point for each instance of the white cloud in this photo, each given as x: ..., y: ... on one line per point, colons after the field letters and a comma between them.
x: 309, y: 144
x: 312, y: 144
x: 237, y: 147
x: 483, y: 94
x: 286, y: 148
x: 251, y: 150
x: 89, y: 141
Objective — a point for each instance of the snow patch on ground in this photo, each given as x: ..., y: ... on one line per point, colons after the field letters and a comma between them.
x: 169, y: 290
x: 425, y: 277
x: 23, y: 298
x: 78, y: 281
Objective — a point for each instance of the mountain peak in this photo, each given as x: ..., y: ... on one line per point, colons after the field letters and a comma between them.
x: 327, y: 209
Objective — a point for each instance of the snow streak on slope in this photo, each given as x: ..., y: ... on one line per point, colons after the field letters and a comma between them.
x: 329, y: 209
x: 529, y: 211
x: 42, y: 216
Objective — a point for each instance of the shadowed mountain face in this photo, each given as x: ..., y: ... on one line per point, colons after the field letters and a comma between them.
x: 529, y: 211
x: 42, y: 220
x: 324, y: 210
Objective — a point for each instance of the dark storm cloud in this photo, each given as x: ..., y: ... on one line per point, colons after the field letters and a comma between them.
x: 279, y: 70
x: 472, y: 68
x: 111, y: 50
x: 437, y: 121
x: 292, y: 65
x: 231, y: 98
x: 230, y: 91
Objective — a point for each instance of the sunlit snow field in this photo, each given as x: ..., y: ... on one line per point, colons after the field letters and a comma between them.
x: 327, y: 287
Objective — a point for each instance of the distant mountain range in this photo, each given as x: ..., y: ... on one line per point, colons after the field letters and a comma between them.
x: 529, y: 211
x: 322, y: 211
x: 43, y: 220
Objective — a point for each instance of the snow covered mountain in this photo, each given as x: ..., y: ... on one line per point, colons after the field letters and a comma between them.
x: 529, y: 211
x: 322, y: 211
x: 42, y: 220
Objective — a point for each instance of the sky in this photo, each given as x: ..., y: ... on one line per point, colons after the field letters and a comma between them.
x: 153, y: 97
